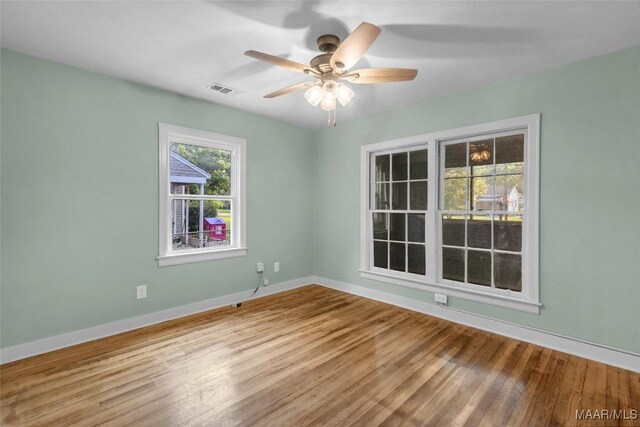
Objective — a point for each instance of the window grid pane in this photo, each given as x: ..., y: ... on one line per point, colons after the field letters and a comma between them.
x: 382, y: 169
x: 399, y: 167
x: 418, y: 165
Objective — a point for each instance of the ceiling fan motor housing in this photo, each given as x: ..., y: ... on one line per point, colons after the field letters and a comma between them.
x: 321, y: 63
x: 328, y: 43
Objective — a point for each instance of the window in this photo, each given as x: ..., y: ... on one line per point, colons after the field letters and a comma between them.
x: 201, y: 203
x: 456, y: 212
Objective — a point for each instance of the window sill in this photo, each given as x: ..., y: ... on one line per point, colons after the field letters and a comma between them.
x: 189, y: 257
x: 468, y: 294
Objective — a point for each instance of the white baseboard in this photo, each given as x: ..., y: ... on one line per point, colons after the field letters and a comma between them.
x: 46, y: 345
x: 600, y: 353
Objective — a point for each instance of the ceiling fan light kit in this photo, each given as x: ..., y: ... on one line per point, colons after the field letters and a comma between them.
x: 479, y: 153
x: 327, y: 96
x: 479, y: 156
x: 332, y: 65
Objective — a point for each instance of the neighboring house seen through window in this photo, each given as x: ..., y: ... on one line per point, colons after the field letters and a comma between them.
x: 456, y: 212
x: 201, y: 195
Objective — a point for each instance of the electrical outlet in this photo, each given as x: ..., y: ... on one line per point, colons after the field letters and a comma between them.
x: 441, y: 298
x: 141, y: 291
x: 266, y: 282
x: 260, y: 267
x: 276, y: 266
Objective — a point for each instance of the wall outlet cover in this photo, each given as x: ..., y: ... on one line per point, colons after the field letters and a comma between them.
x: 141, y: 291
x: 441, y: 298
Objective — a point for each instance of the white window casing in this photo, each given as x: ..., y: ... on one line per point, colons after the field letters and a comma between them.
x: 168, y: 134
x: 528, y: 299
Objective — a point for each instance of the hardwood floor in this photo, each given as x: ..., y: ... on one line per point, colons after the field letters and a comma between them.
x: 311, y: 356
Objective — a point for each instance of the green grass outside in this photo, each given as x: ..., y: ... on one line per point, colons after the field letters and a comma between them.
x: 225, y: 214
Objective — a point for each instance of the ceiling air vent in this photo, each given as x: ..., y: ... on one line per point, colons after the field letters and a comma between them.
x: 222, y: 89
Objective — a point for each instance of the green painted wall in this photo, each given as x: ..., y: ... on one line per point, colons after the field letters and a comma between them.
x: 79, y: 182
x: 79, y: 196
x: 589, y: 197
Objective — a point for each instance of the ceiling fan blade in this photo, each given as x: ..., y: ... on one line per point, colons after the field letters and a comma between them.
x: 381, y: 75
x: 290, y: 89
x: 281, y: 62
x: 354, y: 46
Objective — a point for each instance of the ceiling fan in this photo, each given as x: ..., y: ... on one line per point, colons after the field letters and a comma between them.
x: 333, y: 65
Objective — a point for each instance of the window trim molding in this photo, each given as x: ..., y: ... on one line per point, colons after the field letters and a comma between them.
x: 529, y: 299
x: 199, y: 137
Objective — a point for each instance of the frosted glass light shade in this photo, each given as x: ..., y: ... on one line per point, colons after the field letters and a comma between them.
x: 330, y: 89
x: 328, y: 103
x: 344, y: 94
x: 313, y: 95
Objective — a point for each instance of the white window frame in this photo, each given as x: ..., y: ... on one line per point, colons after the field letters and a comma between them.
x: 528, y: 299
x: 170, y: 133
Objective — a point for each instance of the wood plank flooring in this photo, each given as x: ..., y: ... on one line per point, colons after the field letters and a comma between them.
x: 311, y: 356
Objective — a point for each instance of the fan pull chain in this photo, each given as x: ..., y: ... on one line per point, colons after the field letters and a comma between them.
x: 329, y: 120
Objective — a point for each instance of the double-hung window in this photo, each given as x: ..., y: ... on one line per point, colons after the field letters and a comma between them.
x: 456, y: 212
x: 202, y: 195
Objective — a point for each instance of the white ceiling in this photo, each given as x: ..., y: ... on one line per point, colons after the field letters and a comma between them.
x: 184, y: 46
